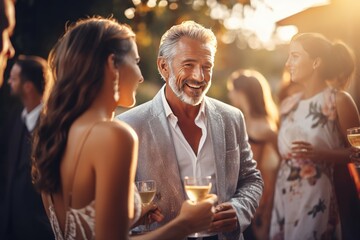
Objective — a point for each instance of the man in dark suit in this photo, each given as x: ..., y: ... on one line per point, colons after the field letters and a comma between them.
x: 22, y: 215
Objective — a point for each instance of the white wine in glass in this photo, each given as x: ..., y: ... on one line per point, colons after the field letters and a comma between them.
x: 353, y: 135
x: 197, y: 193
x: 147, y: 196
x: 147, y: 191
x: 197, y: 188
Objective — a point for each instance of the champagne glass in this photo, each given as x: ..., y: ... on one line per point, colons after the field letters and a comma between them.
x: 147, y: 190
x: 353, y: 135
x: 197, y: 188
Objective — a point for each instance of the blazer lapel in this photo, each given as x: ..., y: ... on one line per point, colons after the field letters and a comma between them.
x: 159, y: 128
x: 217, y: 127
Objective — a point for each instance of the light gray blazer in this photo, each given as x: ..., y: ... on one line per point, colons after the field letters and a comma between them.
x: 237, y: 179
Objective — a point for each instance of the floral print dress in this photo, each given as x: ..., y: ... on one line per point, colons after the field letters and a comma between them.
x: 305, y: 206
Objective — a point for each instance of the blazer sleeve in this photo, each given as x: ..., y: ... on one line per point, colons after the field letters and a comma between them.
x: 250, y: 185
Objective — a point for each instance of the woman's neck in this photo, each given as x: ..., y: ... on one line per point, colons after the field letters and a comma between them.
x: 314, y: 87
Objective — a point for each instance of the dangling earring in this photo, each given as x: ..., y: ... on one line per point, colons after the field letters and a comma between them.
x: 116, y: 87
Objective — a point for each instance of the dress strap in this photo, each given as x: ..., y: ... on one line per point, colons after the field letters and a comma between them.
x: 330, y: 105
x: 77, y: 156
x: 50, y: 200
x: 333, y: 98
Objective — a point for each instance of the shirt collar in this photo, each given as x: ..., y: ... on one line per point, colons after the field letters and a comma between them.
x: 30, y: 119
x: 167, y: 108
x: 168, y: 112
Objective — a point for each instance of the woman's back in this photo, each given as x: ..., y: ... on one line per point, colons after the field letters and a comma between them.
x: 260, y: 135
x: 87, y: 156
x: 262, y: 139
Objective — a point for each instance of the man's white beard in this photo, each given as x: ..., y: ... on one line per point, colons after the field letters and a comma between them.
x: 182, y: 95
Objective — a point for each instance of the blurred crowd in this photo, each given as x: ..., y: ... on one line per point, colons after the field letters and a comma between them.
x: 281, y: 165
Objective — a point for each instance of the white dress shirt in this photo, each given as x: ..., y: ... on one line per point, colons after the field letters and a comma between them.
x: 31, y: 118
x: 191, y: 164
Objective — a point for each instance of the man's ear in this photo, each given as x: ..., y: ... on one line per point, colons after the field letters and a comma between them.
x: 163, y: 67
x: 28, y: 86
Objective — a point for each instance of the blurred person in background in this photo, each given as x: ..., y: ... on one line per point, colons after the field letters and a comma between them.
x: 22, y: 213
x: 249, y: 91
x: 7, y: 25
x: 313, y: 144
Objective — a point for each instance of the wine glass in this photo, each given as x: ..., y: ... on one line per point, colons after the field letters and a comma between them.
x: 147, y: 190
x: 197, y: 188
x: 353, y: 135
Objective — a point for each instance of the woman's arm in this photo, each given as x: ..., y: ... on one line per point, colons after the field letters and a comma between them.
x: 114, y: 160
x: 192, y: 218
x: 348, y: 116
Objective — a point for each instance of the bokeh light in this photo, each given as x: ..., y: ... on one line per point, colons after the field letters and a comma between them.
x: 252, y: 23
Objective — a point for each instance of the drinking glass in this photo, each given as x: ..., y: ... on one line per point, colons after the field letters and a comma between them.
x: 353, y: 135
x: 197, y: 188
x: 147, y: 190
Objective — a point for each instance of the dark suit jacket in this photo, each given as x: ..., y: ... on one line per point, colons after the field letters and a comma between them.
x: 22, y: 215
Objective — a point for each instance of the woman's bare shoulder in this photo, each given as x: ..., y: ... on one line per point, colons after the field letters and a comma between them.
x: 111, y: 140
x: 344, y: 99
x: 347, y: 112
x: 113, y: 130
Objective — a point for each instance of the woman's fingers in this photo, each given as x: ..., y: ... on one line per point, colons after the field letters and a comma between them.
x: 301, y: 149
x: 211, y: 198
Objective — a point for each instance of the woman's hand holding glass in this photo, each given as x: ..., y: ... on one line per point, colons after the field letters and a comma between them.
x: 197, y: 189
x: 300, y: 146
x: 197, y: 217
x: 147, y: 191
x: 302, y: 150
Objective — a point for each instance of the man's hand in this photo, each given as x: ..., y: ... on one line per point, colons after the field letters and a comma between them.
x: 149, y: 213
x: 225, y: 219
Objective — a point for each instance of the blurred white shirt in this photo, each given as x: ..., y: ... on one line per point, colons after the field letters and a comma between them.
x: 30, y: 119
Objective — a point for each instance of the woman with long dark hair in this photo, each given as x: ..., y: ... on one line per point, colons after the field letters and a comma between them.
x: 83, y: 162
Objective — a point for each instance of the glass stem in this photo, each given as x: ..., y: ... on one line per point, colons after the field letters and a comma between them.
x: 147, y: 222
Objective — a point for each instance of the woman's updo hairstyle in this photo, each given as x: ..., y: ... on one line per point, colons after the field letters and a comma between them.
x: 337, y: 59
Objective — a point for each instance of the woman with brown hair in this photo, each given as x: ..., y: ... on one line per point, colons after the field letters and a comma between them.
x: 249, y: 91
x: 83, y: 162
x: 312, y: 141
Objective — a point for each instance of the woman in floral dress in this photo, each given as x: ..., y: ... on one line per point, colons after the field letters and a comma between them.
x: 312, y: 138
